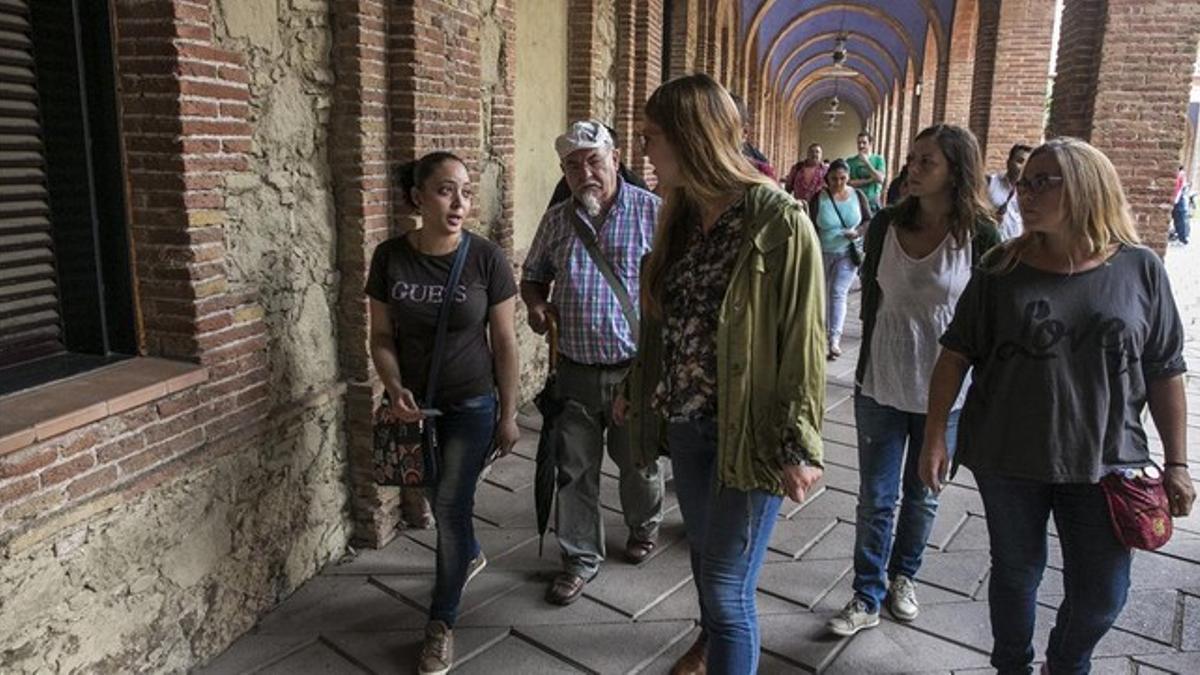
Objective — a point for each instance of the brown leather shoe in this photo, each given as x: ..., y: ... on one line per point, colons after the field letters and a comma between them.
x: 565, y: 589
x: 637, y: 550
x: 692, y: 661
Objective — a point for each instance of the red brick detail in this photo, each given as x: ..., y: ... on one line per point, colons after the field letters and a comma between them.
x: 961, y: 65
x: 929, y: 82
x: 684, y: 38
x: 583, y: 67
x: 1141, y: 96
x: 1081, y: 39
x: 1014, y: 44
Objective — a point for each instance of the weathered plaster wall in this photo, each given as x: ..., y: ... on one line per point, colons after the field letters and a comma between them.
x: 541, y: 111
x: 840, y: 142
x: 280, y: 232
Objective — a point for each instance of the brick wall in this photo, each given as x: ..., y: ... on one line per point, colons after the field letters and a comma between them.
x: 929, y: 81
x: 961, y: 66
x: 1020, y: 78
x: 1080, y: 42
x: 1141, y: 96
x: 986, y: 37
x: 184, y: 109
x: 685, y: 37
x: 362, y: 196
x: 647, y: 77
x: 903, y: 117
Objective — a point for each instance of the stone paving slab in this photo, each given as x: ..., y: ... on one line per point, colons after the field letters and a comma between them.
x: 365, y: 614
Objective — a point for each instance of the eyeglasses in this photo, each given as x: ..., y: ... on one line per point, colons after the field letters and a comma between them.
x: 1037, y: 185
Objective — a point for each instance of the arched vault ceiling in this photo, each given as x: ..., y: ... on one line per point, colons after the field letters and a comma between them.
x: 781, y: 39
x: 851, y: 96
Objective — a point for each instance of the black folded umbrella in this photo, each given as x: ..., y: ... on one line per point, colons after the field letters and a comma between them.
x: 550, y: 405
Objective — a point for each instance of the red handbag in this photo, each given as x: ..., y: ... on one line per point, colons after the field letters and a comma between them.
x: 1138, y: 508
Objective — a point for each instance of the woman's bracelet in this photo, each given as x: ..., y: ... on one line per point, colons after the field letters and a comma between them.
x: 1180, y: 465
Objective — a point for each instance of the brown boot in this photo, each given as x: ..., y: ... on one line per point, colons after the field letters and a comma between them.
x: 414, y: 508
x: 692, y: 661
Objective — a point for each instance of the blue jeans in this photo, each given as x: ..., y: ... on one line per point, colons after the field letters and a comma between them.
x: 1179, y: 214
x: 465, y: 432
x: 839, y: 274
x: 883, y: 435
x: 727, y: 532
x: 1095, y: 570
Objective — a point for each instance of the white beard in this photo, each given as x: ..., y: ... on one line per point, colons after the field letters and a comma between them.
x: 591, y: 203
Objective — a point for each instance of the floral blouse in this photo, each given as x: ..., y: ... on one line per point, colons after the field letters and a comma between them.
x: 695, y: 289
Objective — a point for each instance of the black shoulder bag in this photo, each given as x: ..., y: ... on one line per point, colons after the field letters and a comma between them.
x: 588, y: 238
x: 406, y: 454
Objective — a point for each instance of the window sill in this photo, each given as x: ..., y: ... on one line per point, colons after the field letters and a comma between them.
x: 37, y: 414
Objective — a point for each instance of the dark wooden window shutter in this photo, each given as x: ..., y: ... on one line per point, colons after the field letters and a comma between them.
x: 30, y: 322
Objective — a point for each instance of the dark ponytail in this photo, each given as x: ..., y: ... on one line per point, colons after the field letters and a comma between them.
x: 413, y: 174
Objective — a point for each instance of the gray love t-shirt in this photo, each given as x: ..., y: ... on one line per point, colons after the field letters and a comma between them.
x: 1061, y: 364
x: 412, y: 284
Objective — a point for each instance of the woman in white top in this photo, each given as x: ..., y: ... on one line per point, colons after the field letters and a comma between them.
x: 919, y: 255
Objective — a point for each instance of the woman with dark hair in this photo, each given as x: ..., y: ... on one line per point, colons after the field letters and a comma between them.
x: 730, y: 372
x: 919, y: 256
x: 1070, y: 331
x: 839, y: 212
x: 407, y: 286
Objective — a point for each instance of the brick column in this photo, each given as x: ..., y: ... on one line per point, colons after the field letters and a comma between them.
x: 362, y: 197
x: 961, y: 66
x: 1012, y: 62
x: 929, y: 81
x: 1137, y: 95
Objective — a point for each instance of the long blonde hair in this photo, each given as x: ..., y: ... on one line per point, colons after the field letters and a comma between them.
x: 1092, y: 196
x: 701, y: 124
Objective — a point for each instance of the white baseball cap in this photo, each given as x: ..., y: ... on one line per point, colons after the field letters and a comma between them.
x: 583, y: 135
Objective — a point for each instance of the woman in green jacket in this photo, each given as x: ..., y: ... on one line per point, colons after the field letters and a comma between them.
x: 731, y: 369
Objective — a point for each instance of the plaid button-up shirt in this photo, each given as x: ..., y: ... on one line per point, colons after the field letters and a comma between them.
x: 592, y: 327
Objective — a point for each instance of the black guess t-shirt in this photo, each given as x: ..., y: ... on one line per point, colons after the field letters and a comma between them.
x: 412, y: 284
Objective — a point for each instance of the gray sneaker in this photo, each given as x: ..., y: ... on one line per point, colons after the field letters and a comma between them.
x: 437, y: 653
x: 477, y: 564
x: 853, y: 618
x: 902, y: 598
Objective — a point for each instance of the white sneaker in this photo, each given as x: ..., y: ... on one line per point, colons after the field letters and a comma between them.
x: 902, y: 598
x: 853, y: 618
x: 477, y: 564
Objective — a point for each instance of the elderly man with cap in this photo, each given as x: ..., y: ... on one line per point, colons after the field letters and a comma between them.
x: 588, y: 250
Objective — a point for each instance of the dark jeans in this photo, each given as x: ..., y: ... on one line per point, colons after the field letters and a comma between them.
x: 727, y: 532
x: 1095, y: 570
x: 465, y: 433
x: 1179, y: 214
x: 889, y: 452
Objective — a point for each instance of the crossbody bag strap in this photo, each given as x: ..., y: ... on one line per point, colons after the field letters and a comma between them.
x: 443, y: 320
x: 588, y: 238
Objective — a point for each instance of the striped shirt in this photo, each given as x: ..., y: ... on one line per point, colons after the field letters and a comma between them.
x: 592, y: 327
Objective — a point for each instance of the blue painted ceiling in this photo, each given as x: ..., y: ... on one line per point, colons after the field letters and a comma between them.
x: 794, y: 39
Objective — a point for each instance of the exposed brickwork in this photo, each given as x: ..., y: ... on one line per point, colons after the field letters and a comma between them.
x: 929, y: 81
x: 362, y: 195
x: 961, y: 66
x: 685, y: 37
x: 903, y: 118
x: 1140, y: 96
x: 1078, y: 66
x: 1019, y: 83
x: 986, y: 35
x: 647, y: 76
x: 183, y: 118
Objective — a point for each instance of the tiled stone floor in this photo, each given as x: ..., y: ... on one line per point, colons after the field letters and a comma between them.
x: 365, y: 614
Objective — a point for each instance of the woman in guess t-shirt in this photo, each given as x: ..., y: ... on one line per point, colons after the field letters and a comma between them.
x: 406, y: 285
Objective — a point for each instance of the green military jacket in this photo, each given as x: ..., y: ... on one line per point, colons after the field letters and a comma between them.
x: 770, y: 351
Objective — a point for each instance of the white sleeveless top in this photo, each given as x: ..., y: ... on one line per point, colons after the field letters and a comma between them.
x: 918, y: 300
